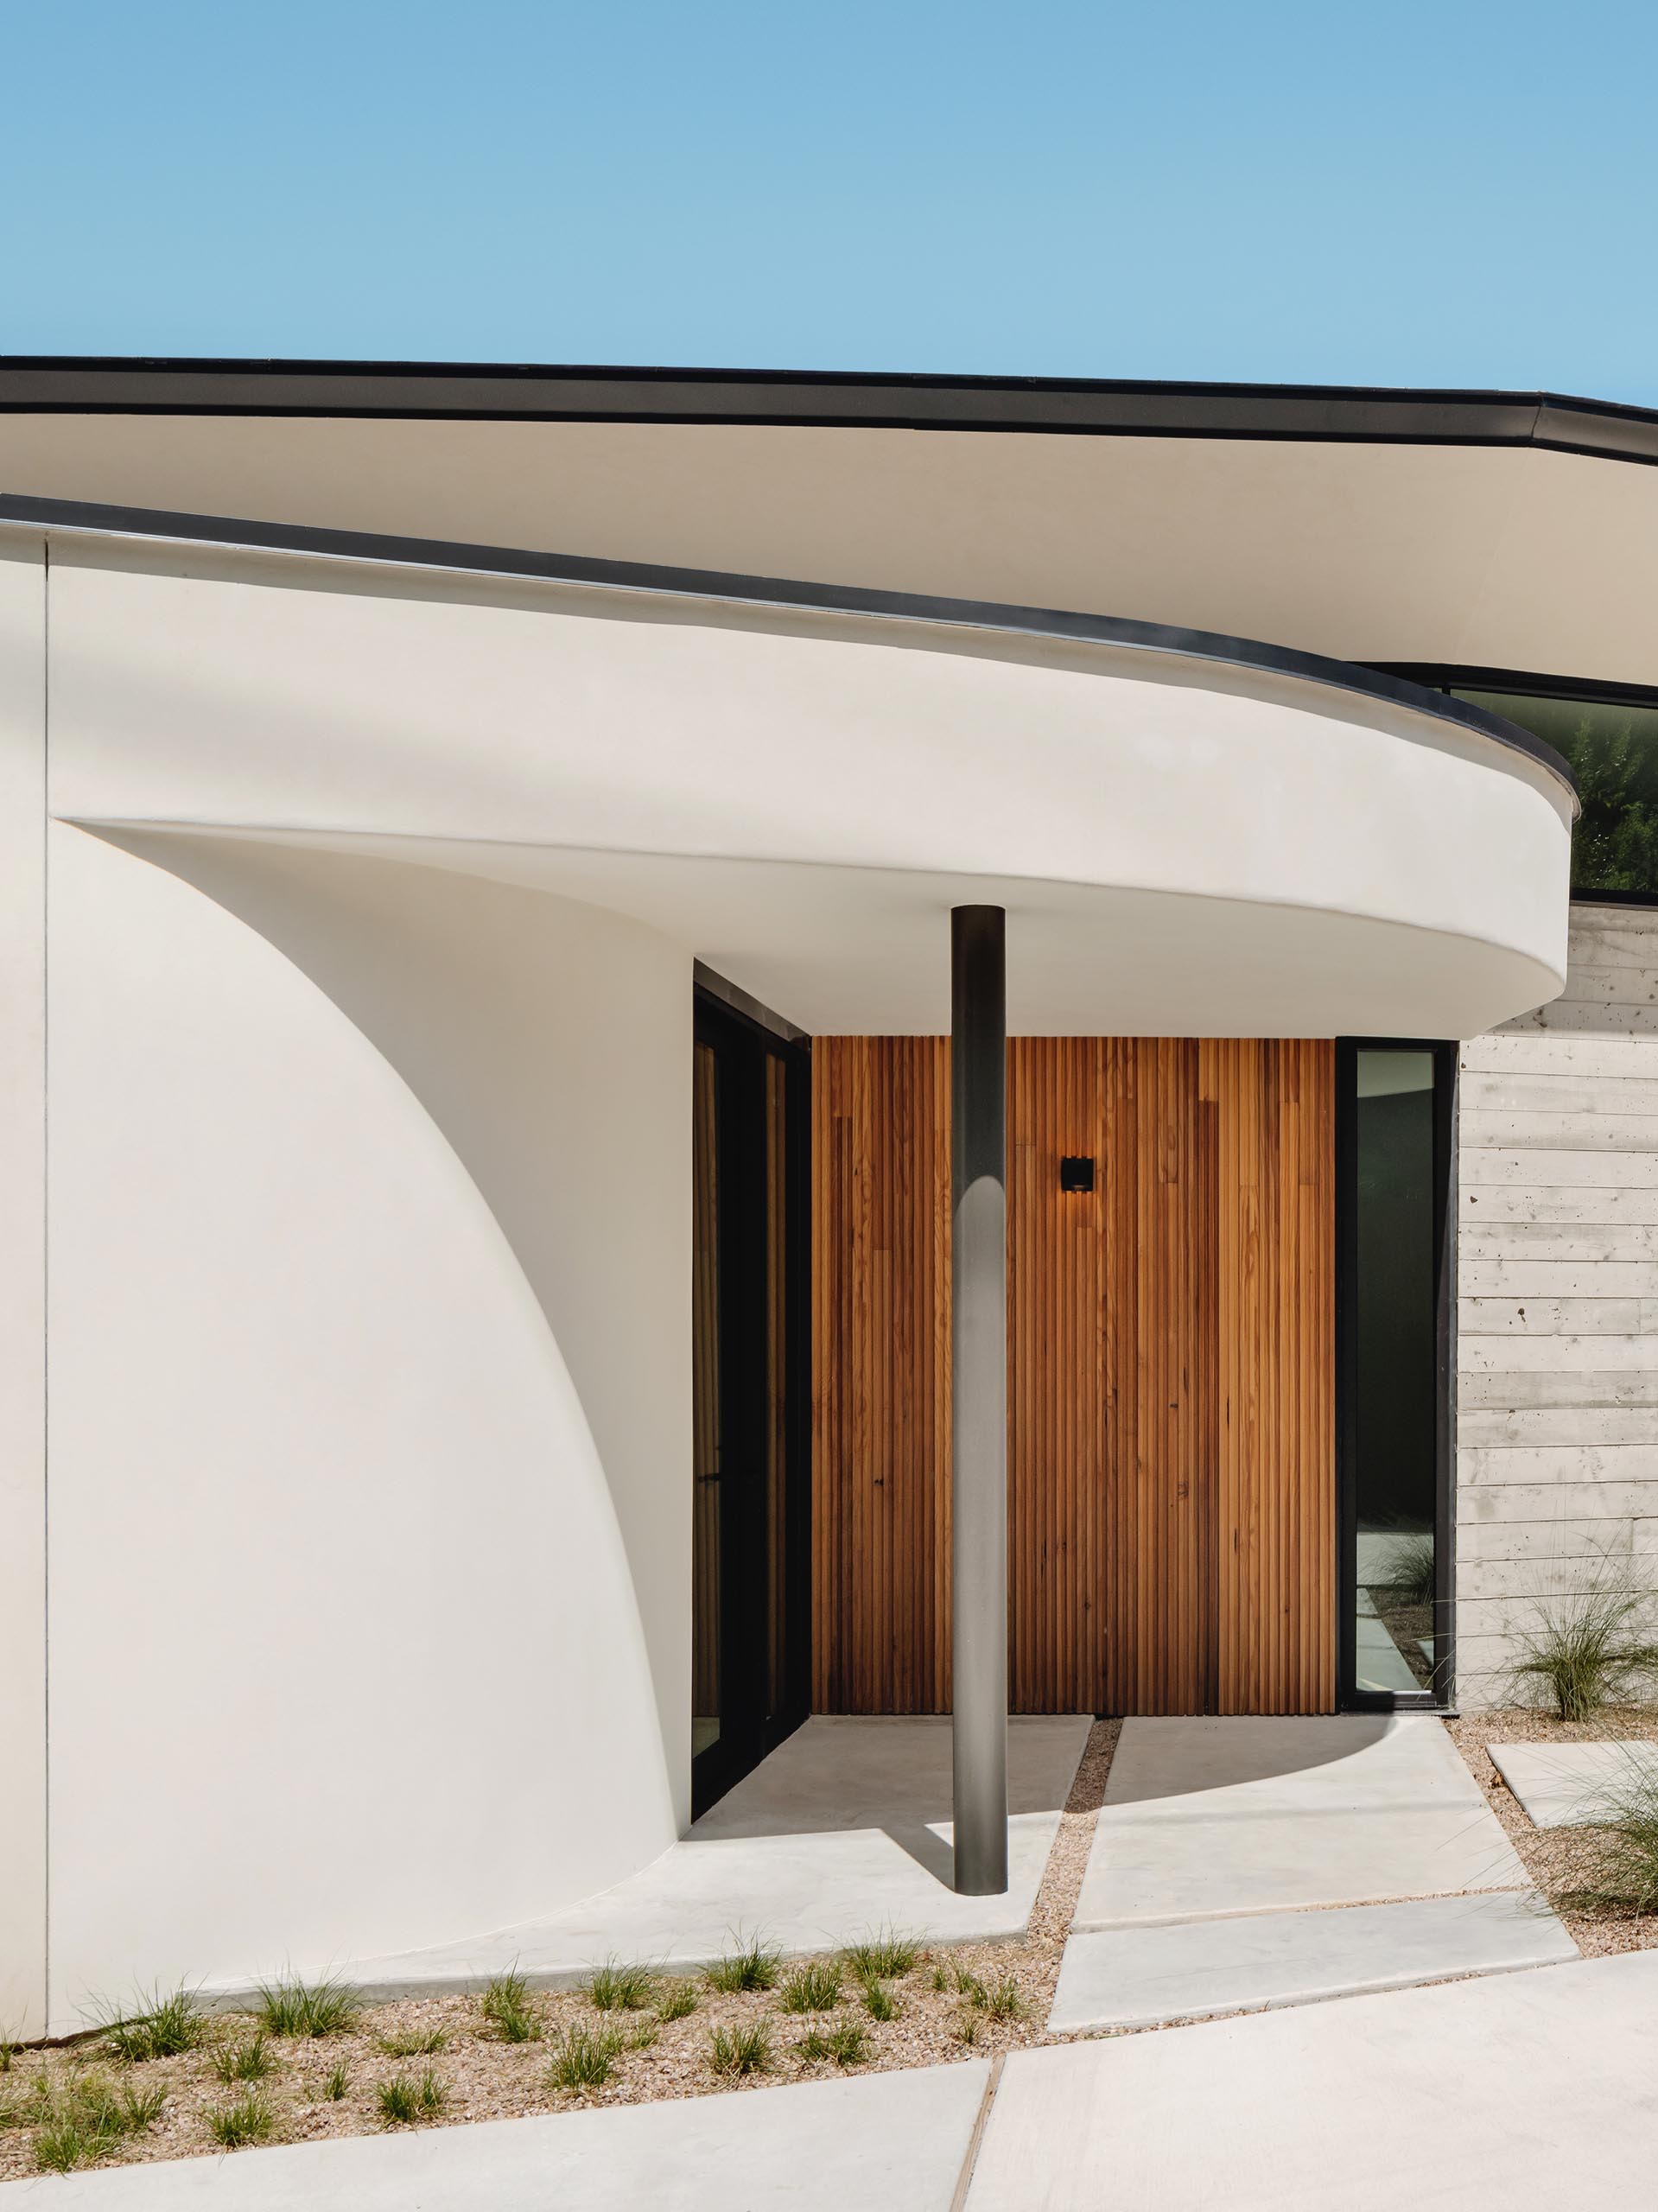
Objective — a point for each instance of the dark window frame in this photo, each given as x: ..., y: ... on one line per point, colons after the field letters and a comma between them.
x: 1434, y: 676
x: 748, y: 1732
x: 1441, y: 1697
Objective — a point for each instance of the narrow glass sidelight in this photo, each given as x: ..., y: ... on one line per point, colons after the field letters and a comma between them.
x: 1395, y: 1320
x: 751, y: 1397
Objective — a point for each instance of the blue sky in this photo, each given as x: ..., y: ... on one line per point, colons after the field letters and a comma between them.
x: 1326, y: 191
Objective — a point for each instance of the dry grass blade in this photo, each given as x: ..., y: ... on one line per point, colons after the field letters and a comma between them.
x: 1591, y: 1647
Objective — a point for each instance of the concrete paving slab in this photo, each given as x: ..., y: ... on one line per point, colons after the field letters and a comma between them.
x: 886, y: 2143
x: 1568, y: 1785
x: 1458, y: 2096
x: 1204, y: 1818
x: 1378, y: 1663
x: 845, y: 1829
x: 1139, y: 1977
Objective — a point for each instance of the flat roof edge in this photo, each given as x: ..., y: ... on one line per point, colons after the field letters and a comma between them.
x: 1102, y: 407
x: 94, y: 519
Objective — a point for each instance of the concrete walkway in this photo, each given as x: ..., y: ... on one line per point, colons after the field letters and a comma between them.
x: 1209, y: 1817
x: 1247, y: 1863
x: 844, y: 1830
x: 1193, y: 1969
x: 1567, y: 1785
x: 1535, y: 2093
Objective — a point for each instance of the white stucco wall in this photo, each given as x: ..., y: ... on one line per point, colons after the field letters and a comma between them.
x: 370, y: 1345
x: 23, y: 1370
x: 1558, y: 1267
x: 800, y: 798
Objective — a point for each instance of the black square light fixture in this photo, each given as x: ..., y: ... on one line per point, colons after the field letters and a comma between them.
x: 1075, y: 1173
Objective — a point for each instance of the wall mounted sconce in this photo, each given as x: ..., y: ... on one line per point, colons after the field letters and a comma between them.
x: 1075, y: 1173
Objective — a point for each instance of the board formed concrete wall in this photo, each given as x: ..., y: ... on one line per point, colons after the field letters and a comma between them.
x: 1558, y: 1262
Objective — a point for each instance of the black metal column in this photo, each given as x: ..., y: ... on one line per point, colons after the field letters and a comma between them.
x: 978, y: 1070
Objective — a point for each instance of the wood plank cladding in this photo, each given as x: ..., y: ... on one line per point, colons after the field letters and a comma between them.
x: 1171, y: 1388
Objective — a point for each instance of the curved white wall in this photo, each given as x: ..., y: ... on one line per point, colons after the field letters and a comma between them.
x: 369, y: 1239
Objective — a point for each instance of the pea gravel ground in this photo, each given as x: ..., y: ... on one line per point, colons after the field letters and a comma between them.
x: 483, y: 2078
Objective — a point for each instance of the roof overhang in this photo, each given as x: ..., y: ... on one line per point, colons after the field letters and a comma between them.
x: 1192, y: 835
x: 1496, y: 529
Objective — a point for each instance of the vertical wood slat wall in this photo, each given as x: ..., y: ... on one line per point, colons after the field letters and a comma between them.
x: 1171, y: 1393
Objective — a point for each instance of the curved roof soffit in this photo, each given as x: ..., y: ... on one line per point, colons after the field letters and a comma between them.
x: 92, y: 519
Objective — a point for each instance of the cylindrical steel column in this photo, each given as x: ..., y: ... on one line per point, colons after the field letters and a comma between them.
x: 978, y: 1078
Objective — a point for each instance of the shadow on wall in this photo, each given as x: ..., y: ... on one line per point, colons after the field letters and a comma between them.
x: 550, y: 1043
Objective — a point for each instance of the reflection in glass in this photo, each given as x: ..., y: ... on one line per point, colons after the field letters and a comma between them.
x: 1612, y: 751
x: 1395, y: 1460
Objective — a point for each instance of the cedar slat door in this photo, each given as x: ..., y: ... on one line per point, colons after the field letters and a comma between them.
x: 1171, y: 1388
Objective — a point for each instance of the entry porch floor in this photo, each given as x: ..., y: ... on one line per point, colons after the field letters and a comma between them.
x: 844, y: 1830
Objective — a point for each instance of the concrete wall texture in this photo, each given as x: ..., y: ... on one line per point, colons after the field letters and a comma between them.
x: 1557, y: 1260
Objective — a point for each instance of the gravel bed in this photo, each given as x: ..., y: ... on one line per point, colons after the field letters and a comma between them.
x: 1563, y: 1862
x: 479, y: 2077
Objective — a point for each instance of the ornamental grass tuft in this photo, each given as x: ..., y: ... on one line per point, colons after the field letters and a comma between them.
x: 813, y: 1988
x: 506, y: 2007
x: 753, y: 1964
x: 307, y: 2008
x: 741, y: 2051
x: 618, y: 1989
x: 584, y: 2057
x: 1591, y: 1648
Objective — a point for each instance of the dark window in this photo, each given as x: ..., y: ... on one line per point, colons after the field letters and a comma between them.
x: 1612, y: 750
x: 1395, y: 1109
x: 750, y: 1586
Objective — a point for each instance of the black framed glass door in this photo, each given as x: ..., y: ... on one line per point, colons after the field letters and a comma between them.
x: 1396, y: 1126
x: 751, y: 1513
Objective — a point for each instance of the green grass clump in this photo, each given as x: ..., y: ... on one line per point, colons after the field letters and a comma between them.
x: 967, y: 2027
x: 753, y: 1964
x: 423, y: 2043
x: 307, y: 2008
x: 505, y: 2006
x: 1002, y: 2001
x: 338, y: 2081
x: 879, y: 2001
x: 405, y: 2098
x: 741, y: 2051
x: 843, y: 2042
x: 679, y: 2003
x: 885, y: 1957
x: 618, y: 1989
x: 85, y: 2118
x: 584, y: 2057
x: 1626, y: 1843
x: 249, y: 2119
x: 248, y: 2060
x: 964, y: 1982
x: 1591, y: 1648
x: 167, y: 2025
x: 8, y: 2052
x: 814, y: 1987
x: 643, y: 2035
x: 139, y: 2109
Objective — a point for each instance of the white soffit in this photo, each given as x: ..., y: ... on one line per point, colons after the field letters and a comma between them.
x: 1186, y: 845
